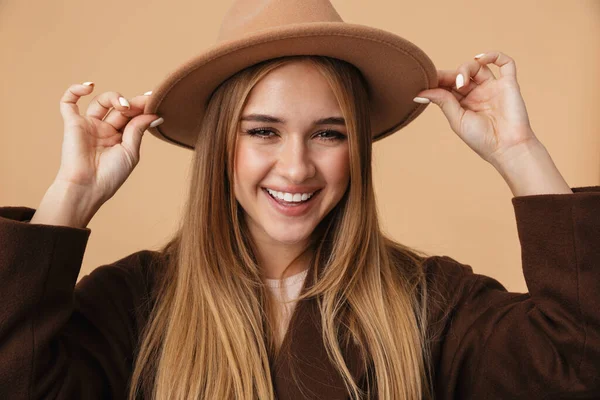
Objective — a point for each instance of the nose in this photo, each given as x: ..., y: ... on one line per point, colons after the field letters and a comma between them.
x: 295, y: 162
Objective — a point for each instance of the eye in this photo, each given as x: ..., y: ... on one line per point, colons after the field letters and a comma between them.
x: 335, y: 135
x: 332, y: 135
x: 258, y: 132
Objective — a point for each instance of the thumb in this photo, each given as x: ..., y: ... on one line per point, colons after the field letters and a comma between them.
x: 447, y: 103
x: 133, y: 132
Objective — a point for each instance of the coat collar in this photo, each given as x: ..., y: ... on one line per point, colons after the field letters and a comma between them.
x: 308, y: 359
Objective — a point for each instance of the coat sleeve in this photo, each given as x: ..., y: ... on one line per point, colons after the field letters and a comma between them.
x: 59, y: 339
x: 544, y: 344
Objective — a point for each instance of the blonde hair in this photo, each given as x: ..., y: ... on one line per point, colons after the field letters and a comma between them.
x: 210, y: 334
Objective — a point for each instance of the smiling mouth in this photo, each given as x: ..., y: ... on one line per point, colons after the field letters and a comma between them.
x: 291, y: 203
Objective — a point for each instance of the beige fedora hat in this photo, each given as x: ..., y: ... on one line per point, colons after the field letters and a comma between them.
x: 256, y: 30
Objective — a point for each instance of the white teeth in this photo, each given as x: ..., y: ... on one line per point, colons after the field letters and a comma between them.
x: 291, y: 197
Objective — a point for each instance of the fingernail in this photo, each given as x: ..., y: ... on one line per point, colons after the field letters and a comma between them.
x: 157, y: 122
x: 460, y: 81
x: 479, y: 55
x: 88, y: 83
x: 148, y: 93
x: 124, y: 102
x: 421, y: 100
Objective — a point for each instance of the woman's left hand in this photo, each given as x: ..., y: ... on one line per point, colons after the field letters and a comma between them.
x: 486, y: 112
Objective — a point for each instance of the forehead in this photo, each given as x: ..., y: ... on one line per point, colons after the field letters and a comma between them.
x: 298, y: 87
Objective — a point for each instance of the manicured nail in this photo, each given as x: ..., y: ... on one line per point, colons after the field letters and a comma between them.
x: 479, y: 55
x: 148, y: 93
x: 421, y: 100
x: 88, y: 83
x: 157, y: 122
x: 460, y: 81
x: 124, y: 102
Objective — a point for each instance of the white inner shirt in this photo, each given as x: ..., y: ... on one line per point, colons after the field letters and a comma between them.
x: 290, y: 287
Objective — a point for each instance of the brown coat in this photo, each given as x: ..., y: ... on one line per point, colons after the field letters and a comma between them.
x: 62, y: 341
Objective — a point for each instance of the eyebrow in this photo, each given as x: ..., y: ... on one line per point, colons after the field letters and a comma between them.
x: 275, y: 120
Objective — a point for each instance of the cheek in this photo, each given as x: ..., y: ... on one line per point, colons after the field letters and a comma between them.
x: 336, y: 168
x: 250, y: 167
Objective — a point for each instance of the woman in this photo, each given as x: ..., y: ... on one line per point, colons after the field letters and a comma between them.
x: 281, y: 200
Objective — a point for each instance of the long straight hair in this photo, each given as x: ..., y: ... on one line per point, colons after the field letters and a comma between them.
x: 211, y: 331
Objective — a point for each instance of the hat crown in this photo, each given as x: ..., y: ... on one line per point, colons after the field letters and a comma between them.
x: 248, y: 16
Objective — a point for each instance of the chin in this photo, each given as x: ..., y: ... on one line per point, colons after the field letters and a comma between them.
x: 288, y: 237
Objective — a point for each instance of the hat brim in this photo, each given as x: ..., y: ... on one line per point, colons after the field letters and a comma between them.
x: 395, y: 69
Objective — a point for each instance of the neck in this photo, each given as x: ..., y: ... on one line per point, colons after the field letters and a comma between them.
x: 280, y: 262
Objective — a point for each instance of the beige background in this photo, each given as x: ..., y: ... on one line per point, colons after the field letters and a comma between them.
x: 434, y: 192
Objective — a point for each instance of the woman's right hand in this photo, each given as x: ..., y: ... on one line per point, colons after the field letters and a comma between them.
x: 100, y: 151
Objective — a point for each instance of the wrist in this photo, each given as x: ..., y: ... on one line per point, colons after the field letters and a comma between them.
x: 66, y: 205
x: 528, y: 169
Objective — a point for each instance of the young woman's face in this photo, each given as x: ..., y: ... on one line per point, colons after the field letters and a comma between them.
x: 294, y: 156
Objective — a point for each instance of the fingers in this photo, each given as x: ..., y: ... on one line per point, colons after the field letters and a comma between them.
x: 101, y: 106
x: 475, y: 72
x: 458, y: 96
x: 478, y: 71
x: 505, y: 63
x: 104, y: 102
x: 68, y: 101
x: 132, y: 135
x: 449, y: 103
x: 119, y: 119
x: 472, y: 69
x: 450, y: 80
x: 465, y: 77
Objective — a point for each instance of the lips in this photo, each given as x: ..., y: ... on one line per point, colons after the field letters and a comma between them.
x: 291, y: 203
x: 291, y: 209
